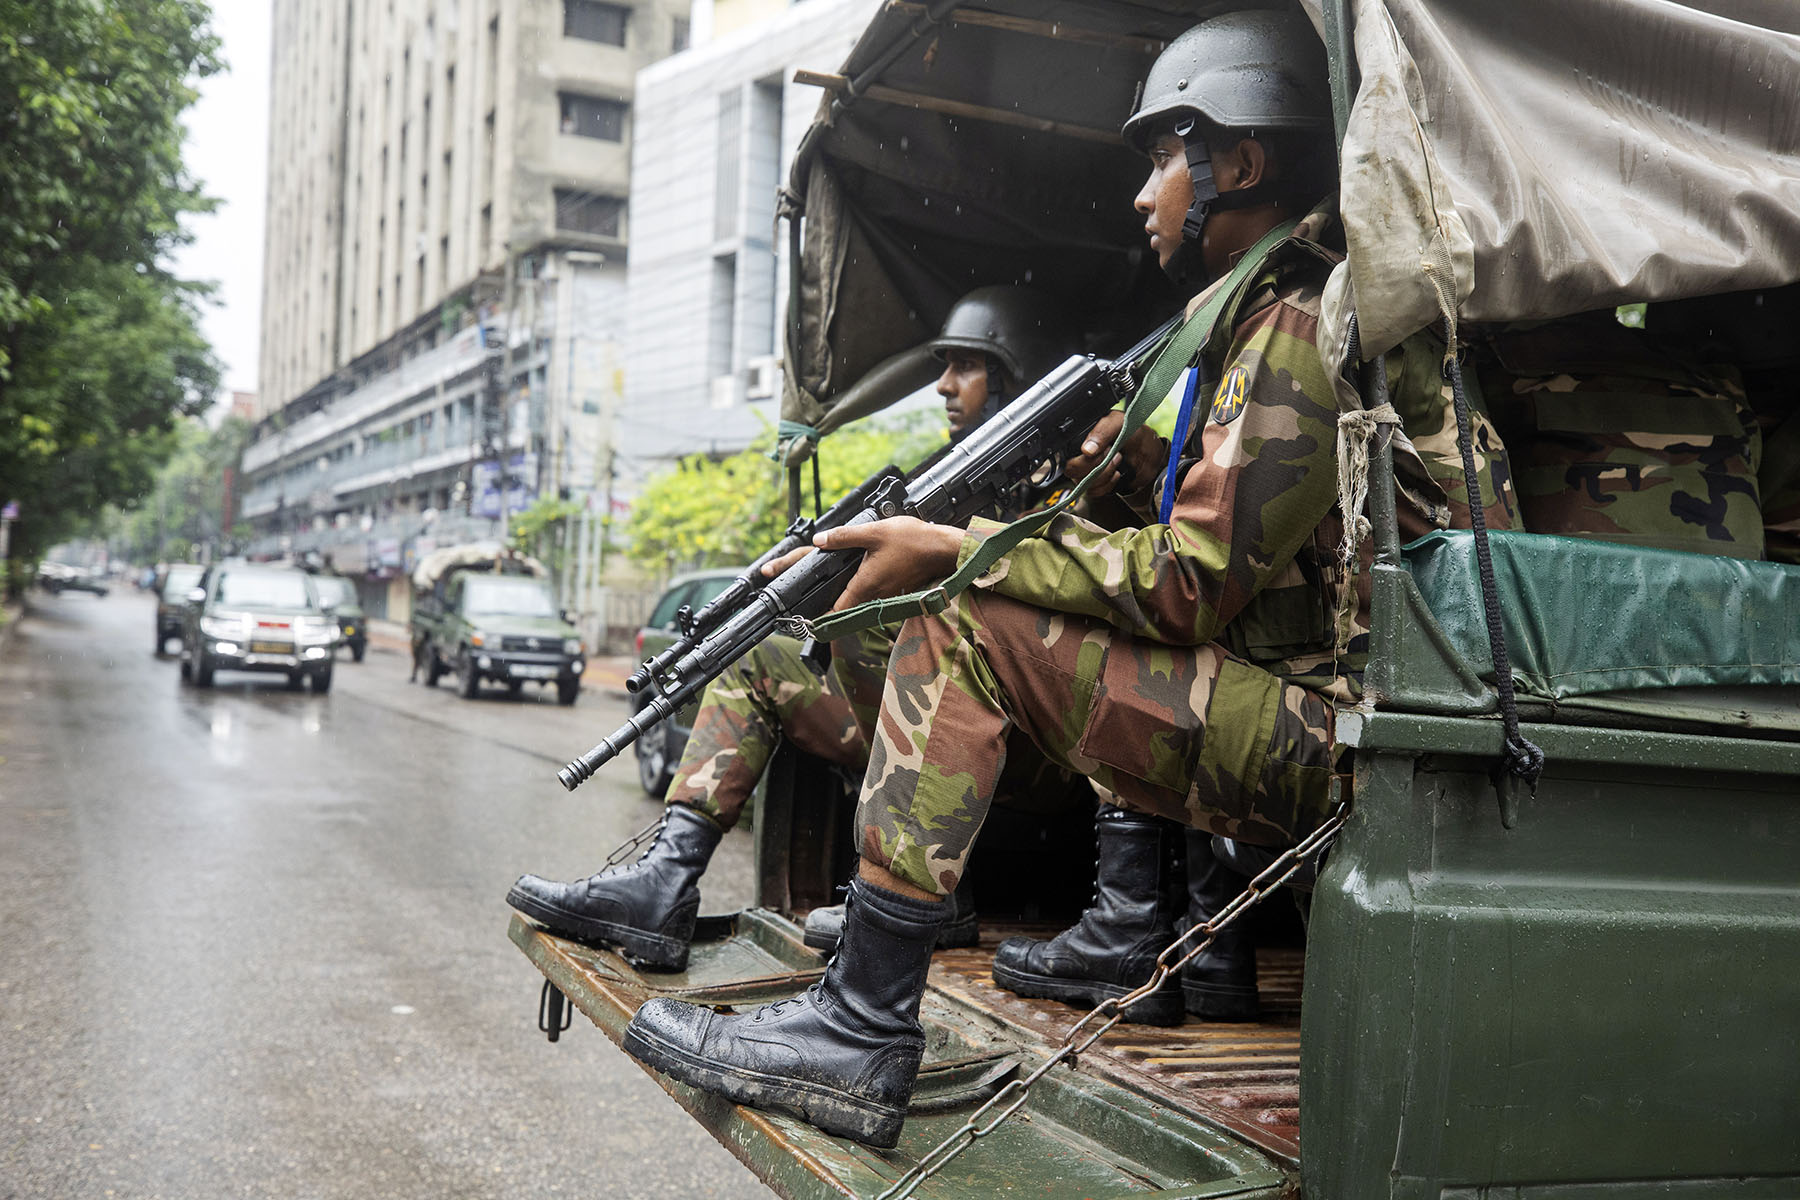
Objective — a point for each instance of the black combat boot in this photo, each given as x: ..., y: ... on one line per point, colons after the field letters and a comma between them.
x: 1220, y: 984
x: 1113, y: 948
x: 841, y: 1055
x: 962, y: 925
x: 647, y: 909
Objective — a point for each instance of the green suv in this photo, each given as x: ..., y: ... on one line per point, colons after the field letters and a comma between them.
x: 338, y: 595
x: 505, y: 628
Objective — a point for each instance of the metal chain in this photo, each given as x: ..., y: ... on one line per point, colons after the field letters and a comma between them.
x: 1112, y: 1010
x: 646, y: 834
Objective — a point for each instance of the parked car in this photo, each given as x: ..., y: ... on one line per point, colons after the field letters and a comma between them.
x: 339, y: 596
x: 660, y: 748
x: 172, y: 588
x: 249, y: 617
x: 57, y: 578
x: 485, y: 613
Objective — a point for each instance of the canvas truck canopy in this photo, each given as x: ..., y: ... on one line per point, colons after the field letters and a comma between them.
x: 1543, y: 158
x: 1560, y: 158
x: 439, y: 563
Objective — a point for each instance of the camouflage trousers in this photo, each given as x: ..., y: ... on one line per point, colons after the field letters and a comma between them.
x: 771, y: 694
x: 1189, y: 733
x: 767, y: 695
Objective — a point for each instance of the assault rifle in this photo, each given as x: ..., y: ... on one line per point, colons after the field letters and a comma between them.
x: 1038, y: 428
x: 696, y: 625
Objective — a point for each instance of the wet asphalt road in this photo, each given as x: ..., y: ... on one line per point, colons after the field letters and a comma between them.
x: 253, y: 941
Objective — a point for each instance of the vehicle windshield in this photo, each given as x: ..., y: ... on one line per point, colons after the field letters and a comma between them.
x: 263, y: 589
x: 179, y: 580
x: 491, y: 597
x: 334, y: 589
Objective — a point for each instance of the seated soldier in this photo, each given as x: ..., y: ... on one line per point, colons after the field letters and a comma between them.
x: 1616, y: 436
x: 1112, y: 650
x: 995, y: 343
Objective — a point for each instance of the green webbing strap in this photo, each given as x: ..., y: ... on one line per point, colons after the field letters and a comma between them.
x: 1171, y: 360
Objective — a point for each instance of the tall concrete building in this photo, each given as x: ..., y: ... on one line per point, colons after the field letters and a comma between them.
x: 444, y: 284
x: 718, y: 127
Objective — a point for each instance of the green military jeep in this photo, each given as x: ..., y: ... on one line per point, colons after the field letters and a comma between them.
x: 487, y: 614
x: 1585, y: 989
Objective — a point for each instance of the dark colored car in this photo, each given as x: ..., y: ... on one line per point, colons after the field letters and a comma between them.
x: 503, y: 628
x: 246, y: 617
x: 339, y: 596
x: 660, y: 750
x: 172, y: 588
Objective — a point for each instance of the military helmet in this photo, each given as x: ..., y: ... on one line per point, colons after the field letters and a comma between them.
x: 1244, y: 70
x: 1020, y: 327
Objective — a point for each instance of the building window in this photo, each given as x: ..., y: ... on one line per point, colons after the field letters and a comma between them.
x: 592, y: 116
x: 586, y: 212
x: 593, y: 21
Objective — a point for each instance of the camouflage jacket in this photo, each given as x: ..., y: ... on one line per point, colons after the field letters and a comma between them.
x: 1249, y: 555
x: 1618, y: 439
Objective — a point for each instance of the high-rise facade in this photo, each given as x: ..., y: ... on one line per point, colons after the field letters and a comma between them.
x: 443, y: 311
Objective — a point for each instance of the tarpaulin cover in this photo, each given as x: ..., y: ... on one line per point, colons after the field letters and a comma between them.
x: 1584, y: 617
x: 1546, y: 157
x: 1566, y: 157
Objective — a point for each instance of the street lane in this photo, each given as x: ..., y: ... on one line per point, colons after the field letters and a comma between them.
x: 252, y: 941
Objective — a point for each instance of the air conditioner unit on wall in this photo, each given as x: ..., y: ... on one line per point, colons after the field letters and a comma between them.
x: 724, y: 391
x: 764, y: 379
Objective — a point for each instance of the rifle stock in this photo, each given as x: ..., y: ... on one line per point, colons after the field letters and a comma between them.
x: 1053, y: 415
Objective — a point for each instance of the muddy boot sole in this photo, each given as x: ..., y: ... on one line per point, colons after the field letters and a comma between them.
x: 654, y: 951
x: 819, y: 1105
x: 1160, y: 1008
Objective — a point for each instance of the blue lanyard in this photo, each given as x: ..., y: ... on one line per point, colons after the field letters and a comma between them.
x: 1178, y: 441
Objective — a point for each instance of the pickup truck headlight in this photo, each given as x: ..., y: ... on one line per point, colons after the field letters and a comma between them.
x: 315, y: 631
x: 477, y: 638
x: 571, y: 645
x: 223, y: 627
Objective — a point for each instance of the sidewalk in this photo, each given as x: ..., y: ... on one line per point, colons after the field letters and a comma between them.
x: 604, y: 671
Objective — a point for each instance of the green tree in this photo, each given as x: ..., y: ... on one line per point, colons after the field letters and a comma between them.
x: 100, y: 349
x: 186, y: 505
x: 724, y: 512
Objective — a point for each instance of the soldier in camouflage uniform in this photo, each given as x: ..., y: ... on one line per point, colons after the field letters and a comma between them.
x: 1186, y: 665
x: 1618, y: 438
x: 995, y: 342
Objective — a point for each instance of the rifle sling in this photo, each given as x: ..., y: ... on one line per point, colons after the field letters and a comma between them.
x: 1173, y: 357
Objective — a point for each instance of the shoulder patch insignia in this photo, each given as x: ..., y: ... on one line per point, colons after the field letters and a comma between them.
x: 1229, y: 400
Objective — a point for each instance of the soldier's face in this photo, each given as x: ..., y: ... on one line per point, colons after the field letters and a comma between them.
x: 1166, y: 195
x: 964, y: 387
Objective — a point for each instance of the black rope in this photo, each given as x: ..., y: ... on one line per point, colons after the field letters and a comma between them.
x: 1519, y: 756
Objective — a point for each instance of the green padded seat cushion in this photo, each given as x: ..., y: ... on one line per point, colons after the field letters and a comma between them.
x: 1584, y: 616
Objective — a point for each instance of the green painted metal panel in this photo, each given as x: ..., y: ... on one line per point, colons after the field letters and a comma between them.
x: 1605, y: 994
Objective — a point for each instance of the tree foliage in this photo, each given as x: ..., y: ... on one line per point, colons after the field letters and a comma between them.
x: 185, y: 507
x: 101, y: 350
x: 724, y: 512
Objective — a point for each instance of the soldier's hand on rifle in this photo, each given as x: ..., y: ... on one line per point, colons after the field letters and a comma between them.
x: 1139, y: 460
x: 902, y: 555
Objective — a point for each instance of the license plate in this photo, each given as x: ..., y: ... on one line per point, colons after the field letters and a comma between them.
x: 271, y: 647
x: 535, y: 672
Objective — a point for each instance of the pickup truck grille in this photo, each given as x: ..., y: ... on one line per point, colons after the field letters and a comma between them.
x: 526, y: 645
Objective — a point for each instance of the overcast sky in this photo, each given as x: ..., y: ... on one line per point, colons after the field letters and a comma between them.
x: 227, y: 150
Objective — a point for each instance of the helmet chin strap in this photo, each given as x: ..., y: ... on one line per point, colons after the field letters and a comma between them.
x: 1186, y: 265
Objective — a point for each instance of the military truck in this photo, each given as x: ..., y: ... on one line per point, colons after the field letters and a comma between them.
x: 484, y: 613
x: 1584, y: 988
